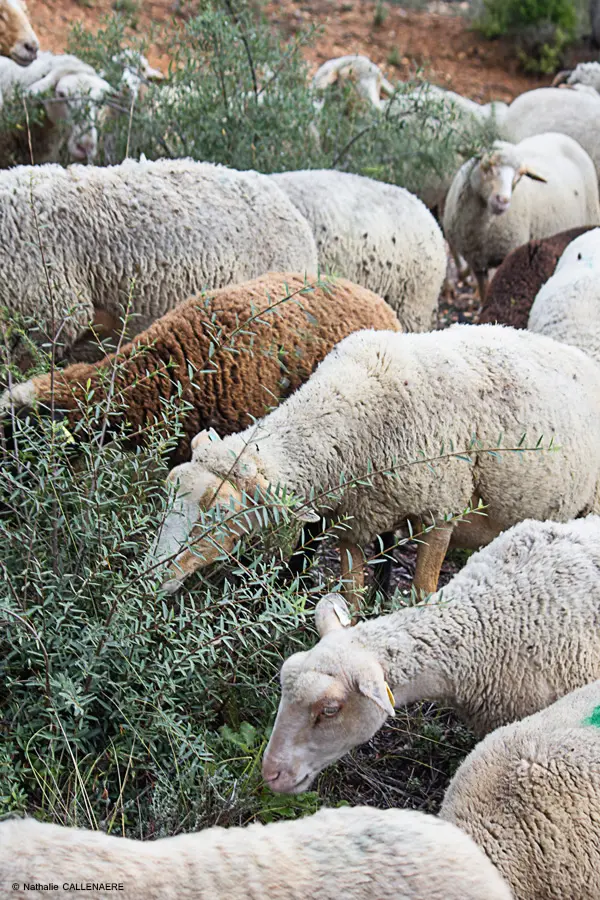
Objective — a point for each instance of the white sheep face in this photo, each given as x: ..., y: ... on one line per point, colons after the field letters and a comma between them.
x: 334, y: 697
x: 496, y: 181
x: 76, y: 101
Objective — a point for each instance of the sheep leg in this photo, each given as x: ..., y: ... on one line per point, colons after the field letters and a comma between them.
x: 382, y: 573
x: 431, y: 551
x: 353, y: 574
x: 482, y: 286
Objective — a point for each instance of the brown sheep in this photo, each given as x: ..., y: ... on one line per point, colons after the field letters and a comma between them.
x: 17, y: 38
x: 258, y: 360
x: 517, y: 281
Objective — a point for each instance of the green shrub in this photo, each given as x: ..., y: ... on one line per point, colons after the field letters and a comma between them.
x: 542, y: 28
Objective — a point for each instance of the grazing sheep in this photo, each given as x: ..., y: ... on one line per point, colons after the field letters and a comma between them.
x: 70, y: 112
x: 360, y: 853
x: 567, y: 307
x: 491, y: 210
x: 158, y: 230
x: 254, y: 364
x: 17, y: 38
x: 375, y: 234
x: 574, y: 113
x: 529, y: 795
x: 378, y: 404
x: 583, y: 75
x: 368, y: 79
x: 516, y: 282
x: 514, y: 630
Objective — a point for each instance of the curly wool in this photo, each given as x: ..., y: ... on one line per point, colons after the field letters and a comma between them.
x: 170, y: 228
x: 264, y: 362
x: 362, y: 853
x: 380, y: 399
x: 516, y: 282
x: 567, y: 307
x: 574, y: 113
x: 529, y: 795
x: 375, y: 234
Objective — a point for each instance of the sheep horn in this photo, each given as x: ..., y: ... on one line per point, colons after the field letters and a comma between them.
x: 562, y: 77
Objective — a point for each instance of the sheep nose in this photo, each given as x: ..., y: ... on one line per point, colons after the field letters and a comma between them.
x: 270, y: 774
x: 24, y: 52
x: 31, y: 48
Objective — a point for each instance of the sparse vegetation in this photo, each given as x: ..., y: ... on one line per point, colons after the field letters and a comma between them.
x: 542, y: 29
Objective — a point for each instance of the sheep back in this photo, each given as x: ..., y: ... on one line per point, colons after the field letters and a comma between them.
x: 272, y: 353
x: 381, y: 399
x: 375, y: 234
x: 168, y: 228
x: 363, y: 853
x: 516, y: 282
x: 529, y: 795
x: 575, y: 113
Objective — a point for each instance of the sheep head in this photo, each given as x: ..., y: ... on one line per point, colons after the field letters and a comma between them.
x: 17, y: 38
x: 334, y: 697
x: 495, y: 176
x: 201, y: 487
x: 76, y: 102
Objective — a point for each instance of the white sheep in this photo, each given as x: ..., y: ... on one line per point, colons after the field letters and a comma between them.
x: 379, y: 403
x: 529, y: 795
x: 492, y: 209
x: 575, y: 113
x: 376, y: 234
x: 368, y: 79
x: 514, y: 630
x: 360, y: 853
x: 567, y: 307
x: 76, y: 92
x: 17, y: 38
x: 160, y: 230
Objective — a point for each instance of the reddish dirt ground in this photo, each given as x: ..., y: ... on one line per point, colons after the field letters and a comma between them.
x: 441, y: 43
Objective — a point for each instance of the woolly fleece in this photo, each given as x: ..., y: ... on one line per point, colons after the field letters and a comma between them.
x: 267, y: 359
x: 375, y: 234
x: 361, y: 853
x: 529, y: 794
x: 516, y: 282
x: 171, y: 226
x: 575, y: 113
x: 567, y: 307
x: 380, y: 399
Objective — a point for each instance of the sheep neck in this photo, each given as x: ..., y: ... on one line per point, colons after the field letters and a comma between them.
x: 421, y: 650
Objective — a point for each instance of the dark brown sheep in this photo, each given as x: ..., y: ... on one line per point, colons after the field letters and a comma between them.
x: 232, y: 354
x: 517, y: 281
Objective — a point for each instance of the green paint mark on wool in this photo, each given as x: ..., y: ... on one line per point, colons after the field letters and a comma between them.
x: 594, y: 719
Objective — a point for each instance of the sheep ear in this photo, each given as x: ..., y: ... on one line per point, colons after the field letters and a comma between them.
x: 151, y: 74
x: 204, y: 437
x: 375, y: 687
x: 331, y: 613
x: 531, y: 174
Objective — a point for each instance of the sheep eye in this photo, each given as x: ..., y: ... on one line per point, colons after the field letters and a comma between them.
x: 330, y: 711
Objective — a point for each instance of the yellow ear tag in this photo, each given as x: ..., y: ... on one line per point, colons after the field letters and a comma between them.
x: 390, y: 695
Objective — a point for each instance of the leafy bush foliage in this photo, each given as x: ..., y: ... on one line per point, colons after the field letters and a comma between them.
x: 542, y: 28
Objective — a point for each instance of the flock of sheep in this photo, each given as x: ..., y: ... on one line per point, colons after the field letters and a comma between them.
x: 346, y: 384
